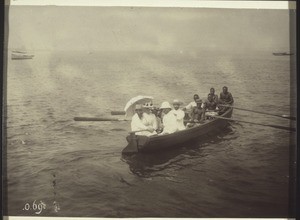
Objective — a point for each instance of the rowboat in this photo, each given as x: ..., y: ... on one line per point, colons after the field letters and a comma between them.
x: 145, y: 144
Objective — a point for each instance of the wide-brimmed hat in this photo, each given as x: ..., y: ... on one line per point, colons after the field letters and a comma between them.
x: 176, y: 101
x: 165, y: 105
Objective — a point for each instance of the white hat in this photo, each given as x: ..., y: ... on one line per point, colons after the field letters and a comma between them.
x: 165, y: 105
x: 176, y: 101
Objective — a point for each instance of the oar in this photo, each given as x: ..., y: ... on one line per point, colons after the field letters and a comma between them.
x: 98, y: 119
x: 259, y: 112
x: 117, y: 112
x: 254, y: 123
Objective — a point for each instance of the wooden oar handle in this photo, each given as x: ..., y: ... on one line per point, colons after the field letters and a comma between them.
x: 97, y: 119
x: 117, y: 112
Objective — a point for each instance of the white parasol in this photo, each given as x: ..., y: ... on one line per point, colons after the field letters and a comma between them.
x: 130, y: 105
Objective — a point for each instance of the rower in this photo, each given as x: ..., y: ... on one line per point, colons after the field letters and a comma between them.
x: 225, y: 99
x: 197, y: 115
x: 189, y: 108
x: 210, y: 106
x: 214, y: 96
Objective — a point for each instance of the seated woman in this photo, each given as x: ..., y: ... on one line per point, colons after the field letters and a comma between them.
x: 169, y: 119
x: 139, y: 123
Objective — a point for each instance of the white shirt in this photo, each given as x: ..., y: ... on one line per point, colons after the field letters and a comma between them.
x: 138, y: 124
x: 179, y: 114
x: 170, y: 123
x: 191, y: 105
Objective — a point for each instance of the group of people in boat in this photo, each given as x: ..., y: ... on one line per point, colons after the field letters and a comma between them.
x: 149, y: 120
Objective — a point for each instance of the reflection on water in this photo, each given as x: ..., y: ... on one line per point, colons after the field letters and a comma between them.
x: 150, y: 164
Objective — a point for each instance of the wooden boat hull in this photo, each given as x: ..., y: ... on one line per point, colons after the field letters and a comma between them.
x: 159, y: 142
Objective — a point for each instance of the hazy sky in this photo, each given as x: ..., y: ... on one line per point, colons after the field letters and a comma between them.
x: 157, y: 29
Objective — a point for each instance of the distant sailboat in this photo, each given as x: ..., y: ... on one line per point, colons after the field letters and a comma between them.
x: 18, y: 51
x: 283, y: 54
x: 20, y: 55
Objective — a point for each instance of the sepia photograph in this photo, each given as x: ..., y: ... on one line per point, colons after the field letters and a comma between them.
x: 132, y: 110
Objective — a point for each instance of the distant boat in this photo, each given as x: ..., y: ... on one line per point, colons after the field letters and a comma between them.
x: 20, y: 55
x: 283, y: 54
x: 18, y: 51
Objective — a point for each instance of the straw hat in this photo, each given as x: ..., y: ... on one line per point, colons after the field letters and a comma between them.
x: 165, y: 105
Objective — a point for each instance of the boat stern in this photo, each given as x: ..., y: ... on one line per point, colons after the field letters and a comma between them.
x: 134, y: 143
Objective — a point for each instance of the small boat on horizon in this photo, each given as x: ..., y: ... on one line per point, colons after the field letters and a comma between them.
x: 283, y: 54
x: 19, y: 51
x: 20, y: 55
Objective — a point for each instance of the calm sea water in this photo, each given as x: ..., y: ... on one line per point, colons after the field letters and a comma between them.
x: 77, y: 169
